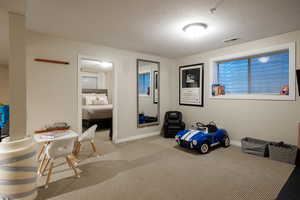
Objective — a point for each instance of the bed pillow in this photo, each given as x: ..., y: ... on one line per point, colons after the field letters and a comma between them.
x: 100, y: 100
x: 89, y: 99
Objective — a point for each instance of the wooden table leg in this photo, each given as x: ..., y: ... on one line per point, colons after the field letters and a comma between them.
x: 41, y: 165
x: 45, y: 168
x: 49, y: 175
x: 41, y: 151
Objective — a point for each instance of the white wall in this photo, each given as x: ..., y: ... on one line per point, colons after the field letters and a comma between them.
x: 109, y: 85
x: 17, y: 76
x: 271, y: 120
x: 52, y: 90
x: 4, y: 84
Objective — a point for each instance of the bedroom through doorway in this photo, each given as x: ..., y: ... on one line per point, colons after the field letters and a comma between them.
x: 96, y: 94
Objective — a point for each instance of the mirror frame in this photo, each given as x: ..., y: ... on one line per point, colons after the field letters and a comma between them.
x: 138, y: 96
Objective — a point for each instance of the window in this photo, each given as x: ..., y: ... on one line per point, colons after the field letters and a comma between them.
x: 269, y: 73
x: 233, y: 75
x: 259, y: 75
x: 265, y: 74
x: 144, y: 84
x: 89, y: 82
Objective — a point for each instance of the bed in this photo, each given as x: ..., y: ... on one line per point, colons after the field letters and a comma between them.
x: 93, y: 112
x: 96, y: 114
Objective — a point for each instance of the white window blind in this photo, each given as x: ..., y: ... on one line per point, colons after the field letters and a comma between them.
x: 264, y: 74
x: 89, y: 82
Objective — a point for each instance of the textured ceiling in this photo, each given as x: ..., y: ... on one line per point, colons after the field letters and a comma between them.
x: 156, y: 26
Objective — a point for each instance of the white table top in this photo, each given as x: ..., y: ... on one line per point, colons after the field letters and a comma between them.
x: 65, y: 135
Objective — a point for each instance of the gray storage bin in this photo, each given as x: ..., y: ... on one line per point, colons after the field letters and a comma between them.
x: 283, y: 153
x: 255, y: 146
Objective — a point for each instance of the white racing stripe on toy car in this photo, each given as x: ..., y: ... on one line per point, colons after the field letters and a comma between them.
x: 186, y: 134
x: 192, y: 133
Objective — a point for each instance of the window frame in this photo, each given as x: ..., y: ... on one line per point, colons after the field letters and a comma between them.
x: 290, y: 47
x: 150, y: 84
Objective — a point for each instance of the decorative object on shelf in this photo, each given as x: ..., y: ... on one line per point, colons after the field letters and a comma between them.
x: 284, y: 90
x: 191, y: 83
x: 51, y: 61
x: 60, y: 126
x: 218, y: 90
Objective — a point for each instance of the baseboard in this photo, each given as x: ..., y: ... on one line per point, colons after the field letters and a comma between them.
x: 236, y: 143
x: 136, y: 137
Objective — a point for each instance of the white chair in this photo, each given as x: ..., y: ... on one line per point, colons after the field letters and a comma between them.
x: 54, y: 150
x: 87, y: 136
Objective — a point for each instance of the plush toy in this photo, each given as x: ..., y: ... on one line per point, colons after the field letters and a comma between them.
x: 284, y: 90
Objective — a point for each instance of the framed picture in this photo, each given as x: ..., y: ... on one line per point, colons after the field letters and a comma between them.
x: 191, y: 83
x: 155, y: 87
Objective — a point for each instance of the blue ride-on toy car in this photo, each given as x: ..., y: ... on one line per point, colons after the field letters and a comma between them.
x: 201, y: 139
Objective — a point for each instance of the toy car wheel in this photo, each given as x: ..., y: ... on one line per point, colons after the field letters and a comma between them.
x: 204, y: 148
x: 226, y: 141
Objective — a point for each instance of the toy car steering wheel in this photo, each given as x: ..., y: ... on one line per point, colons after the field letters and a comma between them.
x: 199, y: 124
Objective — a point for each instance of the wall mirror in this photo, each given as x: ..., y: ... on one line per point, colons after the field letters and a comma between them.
x: 148, y: 93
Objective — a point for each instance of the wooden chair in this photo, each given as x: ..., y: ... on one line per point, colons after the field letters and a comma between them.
x: 54, y: 150
x: 87, y: 136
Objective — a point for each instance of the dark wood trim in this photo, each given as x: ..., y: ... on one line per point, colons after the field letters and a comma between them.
x: 51, y: 61
x: 202, y: 89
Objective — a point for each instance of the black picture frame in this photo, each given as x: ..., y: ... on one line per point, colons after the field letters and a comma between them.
x: 199, y: 81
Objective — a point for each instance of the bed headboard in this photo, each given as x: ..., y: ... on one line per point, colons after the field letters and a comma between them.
x: 95, y: 91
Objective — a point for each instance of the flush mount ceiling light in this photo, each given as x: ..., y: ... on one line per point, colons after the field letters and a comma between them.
x: 194, y: 29
x: 106, y: 64
x: 97, y: 63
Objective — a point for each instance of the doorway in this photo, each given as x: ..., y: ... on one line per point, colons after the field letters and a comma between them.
x: 97, y: 97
